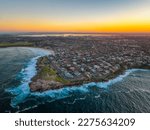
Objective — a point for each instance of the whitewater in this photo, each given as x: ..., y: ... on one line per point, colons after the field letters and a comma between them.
x: 100, y: 94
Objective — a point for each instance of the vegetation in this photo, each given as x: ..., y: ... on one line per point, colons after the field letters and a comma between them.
x: 61, y: 80
x: 15, y: 44
x: 46, y: 72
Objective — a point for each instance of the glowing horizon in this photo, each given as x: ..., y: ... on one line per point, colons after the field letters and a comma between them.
x: 75, y: 16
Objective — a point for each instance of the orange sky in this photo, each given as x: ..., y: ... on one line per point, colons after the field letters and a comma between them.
x: 83, y: 27
x: 75, y: 27
x: 135, y: 19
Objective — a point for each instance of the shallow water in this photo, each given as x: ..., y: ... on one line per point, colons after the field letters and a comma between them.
x: 129, y: 92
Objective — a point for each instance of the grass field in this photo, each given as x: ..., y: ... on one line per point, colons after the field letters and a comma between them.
x: 15, y: 44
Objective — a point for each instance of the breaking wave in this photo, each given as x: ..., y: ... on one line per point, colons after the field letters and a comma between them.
x: 23, y: 94
x: 22, y: 91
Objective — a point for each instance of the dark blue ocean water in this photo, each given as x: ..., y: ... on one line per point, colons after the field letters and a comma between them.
x: 129, y: 92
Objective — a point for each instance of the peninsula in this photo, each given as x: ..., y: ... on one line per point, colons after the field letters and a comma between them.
x: 83, y: 59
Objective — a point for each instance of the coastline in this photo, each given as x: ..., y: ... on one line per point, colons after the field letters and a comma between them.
x: 106, y: 72
x: 35, y: 87
x: 40, y: 85
x: 23, y: 91
x: 44, y: 85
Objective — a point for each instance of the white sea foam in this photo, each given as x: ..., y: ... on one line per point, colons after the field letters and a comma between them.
x: 116, y: 80
x: 22, y: 92
x: 67, y: 91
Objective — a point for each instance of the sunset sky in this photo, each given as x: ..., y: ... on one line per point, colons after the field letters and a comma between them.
x: 74, y: 15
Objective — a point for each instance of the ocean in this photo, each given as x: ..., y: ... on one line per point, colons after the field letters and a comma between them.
x: 129, y: 92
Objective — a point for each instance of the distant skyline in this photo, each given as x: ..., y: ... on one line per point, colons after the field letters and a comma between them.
x: 75, y: 16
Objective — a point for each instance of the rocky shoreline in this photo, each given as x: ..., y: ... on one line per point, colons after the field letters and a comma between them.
x: 48, y: 80
x: 84, y: 59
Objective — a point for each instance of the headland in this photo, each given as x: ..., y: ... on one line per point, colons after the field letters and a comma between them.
x: 83, y: 59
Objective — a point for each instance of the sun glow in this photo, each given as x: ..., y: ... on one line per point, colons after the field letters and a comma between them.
x: 136, y: 20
